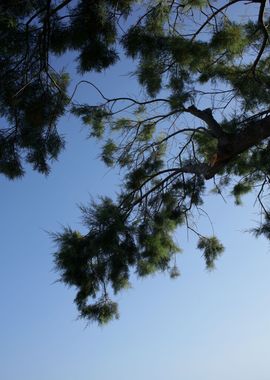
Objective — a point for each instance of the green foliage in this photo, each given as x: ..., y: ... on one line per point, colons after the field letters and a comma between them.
x: 94, y: 117
x: 230, y: 38
x: 147, y: 131
x: 174, y: 272
x: 121, y: 124
x: 108, y: 151
x: 239, y: 190
x: 33, y: 119
x: 207, y: 145
x: 189, y: 53
x: 103, y: 259
x: 149, y: 75
x: 196, y: 3
x: 264, y: 228
x: 178, y: 95
x: 33, y: 96
x: 211, y: 248
x: 99, y: 259
x: 92, y: 32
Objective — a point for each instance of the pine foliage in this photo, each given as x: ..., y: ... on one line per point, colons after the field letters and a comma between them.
x: 202, y: 115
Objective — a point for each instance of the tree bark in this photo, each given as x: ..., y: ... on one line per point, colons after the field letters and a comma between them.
x: 235, y: 144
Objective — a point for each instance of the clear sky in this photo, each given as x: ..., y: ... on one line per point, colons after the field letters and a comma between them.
x: 202, y: 326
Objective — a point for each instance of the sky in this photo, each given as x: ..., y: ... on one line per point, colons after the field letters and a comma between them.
x: 201, y: 326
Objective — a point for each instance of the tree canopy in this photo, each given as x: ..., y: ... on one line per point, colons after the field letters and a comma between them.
x: 203, y: 117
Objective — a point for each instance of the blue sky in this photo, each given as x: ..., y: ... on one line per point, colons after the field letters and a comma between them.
x: 202, y: 326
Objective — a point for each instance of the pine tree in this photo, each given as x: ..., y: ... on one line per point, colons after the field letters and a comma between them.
x: 197, y: 61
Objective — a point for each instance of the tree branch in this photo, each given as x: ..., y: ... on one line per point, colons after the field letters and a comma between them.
x: 251, y: 135
x: 207, y: 116
x: 262, y: 26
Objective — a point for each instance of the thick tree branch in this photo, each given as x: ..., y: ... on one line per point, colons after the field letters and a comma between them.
x: 251, y: 135
x: 207, y: 116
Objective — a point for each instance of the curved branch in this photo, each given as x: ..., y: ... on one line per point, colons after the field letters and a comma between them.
x: 214, y: 14
x: 265, y: 35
